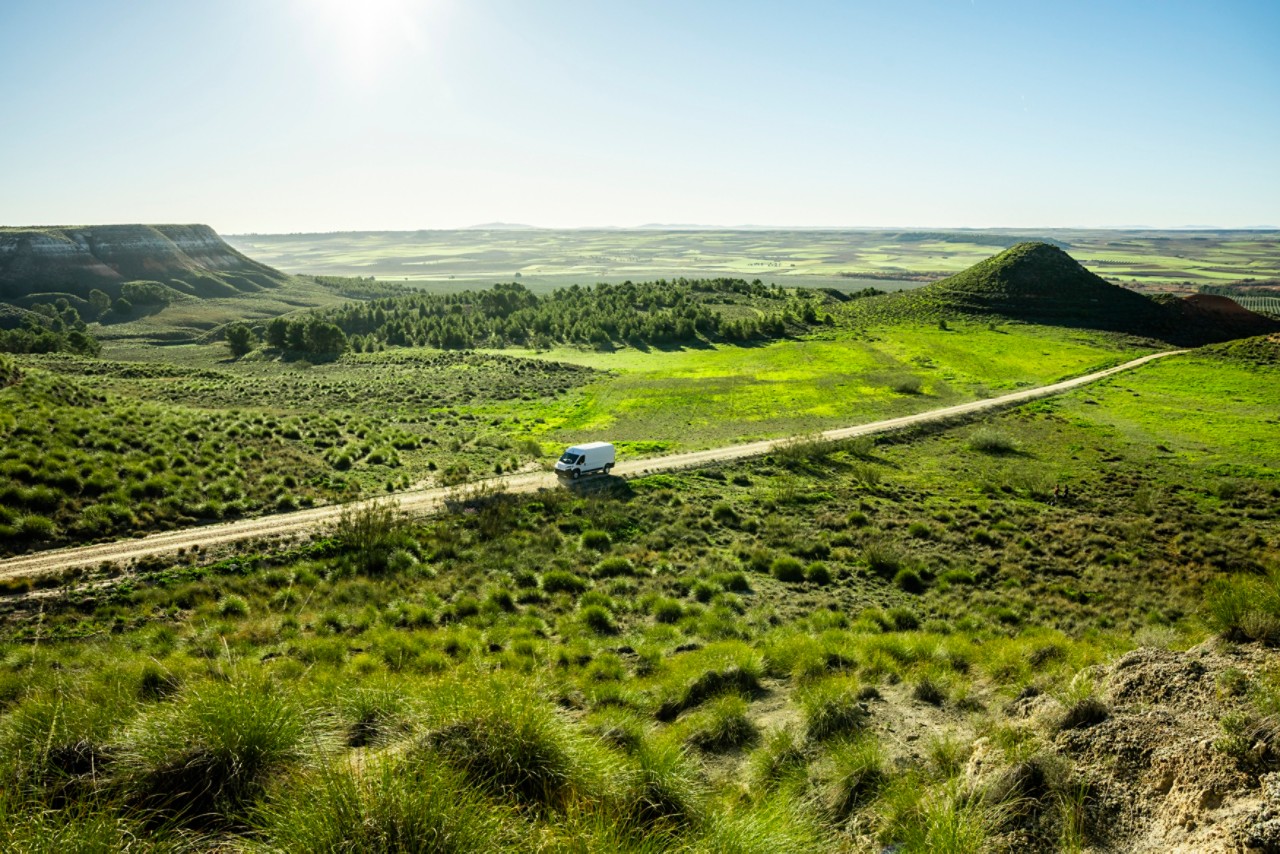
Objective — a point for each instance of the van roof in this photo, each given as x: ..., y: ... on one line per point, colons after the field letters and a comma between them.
x: 591, y: 446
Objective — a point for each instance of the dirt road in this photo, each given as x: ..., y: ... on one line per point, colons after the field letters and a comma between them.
x: 423, y: 501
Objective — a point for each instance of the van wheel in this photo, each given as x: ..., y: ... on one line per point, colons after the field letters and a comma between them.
x: 577, y: 473
x: 608, y: 469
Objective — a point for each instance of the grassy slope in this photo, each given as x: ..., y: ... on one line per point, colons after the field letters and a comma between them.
x: 559, y: 659
x: 700, y: 398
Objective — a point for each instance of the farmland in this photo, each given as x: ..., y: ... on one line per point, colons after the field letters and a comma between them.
x: 544, y: 259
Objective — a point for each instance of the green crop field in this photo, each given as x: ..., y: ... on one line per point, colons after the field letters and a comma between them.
x: 546, y: 259
x: 1265, y: 305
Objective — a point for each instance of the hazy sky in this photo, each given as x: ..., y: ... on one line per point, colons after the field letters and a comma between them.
x: 321, y: 115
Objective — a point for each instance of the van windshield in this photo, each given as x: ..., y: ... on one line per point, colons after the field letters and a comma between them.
x: 569, y: 458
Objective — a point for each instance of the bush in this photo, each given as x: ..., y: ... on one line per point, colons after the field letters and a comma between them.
x: 213, y: 748
x: 1246, y: 607
x: 233, y: 606
x: 599, y: 619
x: 990, y: 441
x: 371, y: 532
x: 385, y: 808
x: 596, y: 540
x: 832, y: 708
x: 817, y: 573
x: 788, y: 569
x: 852, y: 775
x: 506, y: 741
x: 722, y: 725
x: 612, y: 567
x: 909, y: 581
x: 563, y: 581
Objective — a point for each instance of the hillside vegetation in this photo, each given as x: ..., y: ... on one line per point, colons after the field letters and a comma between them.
x: 74, y: 261
x: 836, y: 648
x: 684, y: 311
x: 1039, y: 283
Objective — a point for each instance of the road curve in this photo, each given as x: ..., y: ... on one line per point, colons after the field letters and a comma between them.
x: 421, y: 501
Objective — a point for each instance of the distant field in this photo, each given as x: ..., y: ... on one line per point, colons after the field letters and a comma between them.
x: 1267, y: 305
x: 851, y: 259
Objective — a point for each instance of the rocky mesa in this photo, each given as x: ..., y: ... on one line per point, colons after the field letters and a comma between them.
x: 39, y: 262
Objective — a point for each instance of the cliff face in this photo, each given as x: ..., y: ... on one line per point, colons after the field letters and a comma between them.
x: 192, y: 259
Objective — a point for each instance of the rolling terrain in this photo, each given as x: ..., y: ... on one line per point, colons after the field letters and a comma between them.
x: 1030, y: 602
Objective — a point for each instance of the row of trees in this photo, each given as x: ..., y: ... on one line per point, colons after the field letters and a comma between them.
x: 662, y: 312
x: 36, y: 335
x: 681, y: 311
x: 309, y: 336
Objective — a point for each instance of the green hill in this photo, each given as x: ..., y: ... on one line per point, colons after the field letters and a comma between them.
x: 40, y: 264
x: 1039, y: 283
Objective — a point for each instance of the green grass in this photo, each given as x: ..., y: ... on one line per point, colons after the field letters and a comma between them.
x: 621, y: 670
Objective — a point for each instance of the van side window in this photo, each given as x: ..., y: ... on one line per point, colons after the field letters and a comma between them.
x: 582, y: 459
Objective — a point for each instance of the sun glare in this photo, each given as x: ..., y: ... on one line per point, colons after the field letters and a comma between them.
x: 367, y: 36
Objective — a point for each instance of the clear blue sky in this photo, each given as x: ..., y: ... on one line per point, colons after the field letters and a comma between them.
x: 302, y: 115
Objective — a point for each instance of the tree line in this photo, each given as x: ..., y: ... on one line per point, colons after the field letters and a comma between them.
x: 652, y: 313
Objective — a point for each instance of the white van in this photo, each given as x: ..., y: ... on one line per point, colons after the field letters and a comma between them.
x: 586, y: 459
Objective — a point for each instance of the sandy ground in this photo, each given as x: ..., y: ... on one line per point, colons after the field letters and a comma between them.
x: 425, y: 501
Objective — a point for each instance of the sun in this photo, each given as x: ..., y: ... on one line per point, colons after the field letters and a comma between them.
x: 368, y: 36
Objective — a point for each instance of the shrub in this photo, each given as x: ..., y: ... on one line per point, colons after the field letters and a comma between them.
x: 722, y: 725
x: 612, y: 567
x: 989, y: 441
x: 214, y: 747
x: 909, y: 581
x: 666, y: 610
x: 596, y: 540
x: 817, y: 573
x: 832, y: 708
x: 852, y: 774
x: 667, y: 788
x: 563, y: 581
x: 371, y: 532
x: 788, y: 569
x: 599, y: 619
x: 233, y: 606
x: 385, y: 808
x: 506, y: 741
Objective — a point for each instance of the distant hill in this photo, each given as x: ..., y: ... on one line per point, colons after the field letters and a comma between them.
x: 43, y: 262
x: 1040, y: 283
